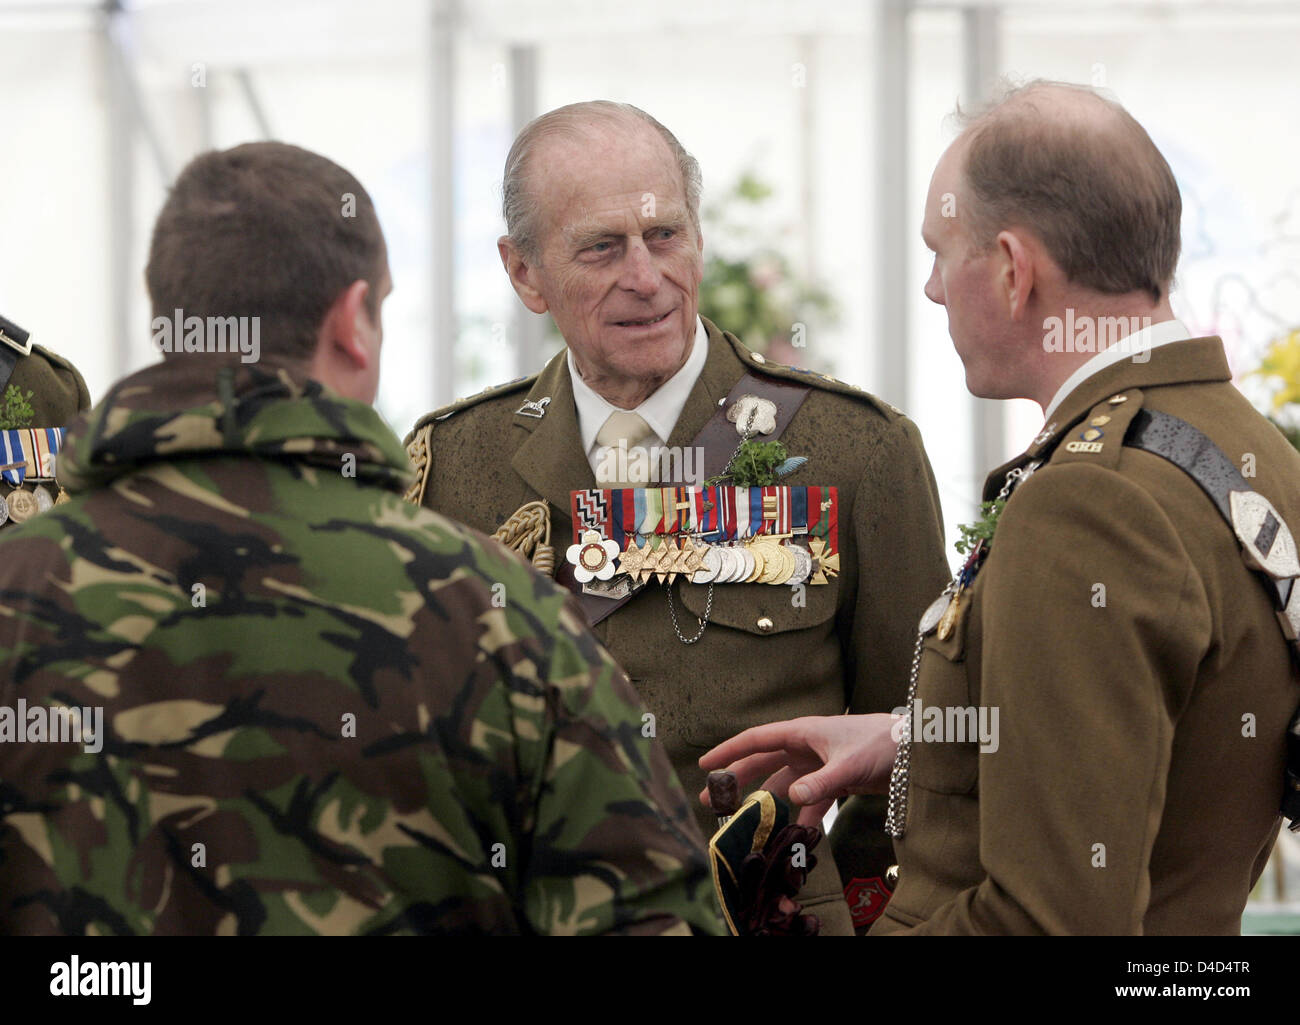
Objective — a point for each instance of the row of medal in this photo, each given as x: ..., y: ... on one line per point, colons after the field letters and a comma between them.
x: 21, y: 505
x: 762, y: 559
x: 26, y: 456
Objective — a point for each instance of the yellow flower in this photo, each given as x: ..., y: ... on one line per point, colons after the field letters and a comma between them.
x: 1283, y: 360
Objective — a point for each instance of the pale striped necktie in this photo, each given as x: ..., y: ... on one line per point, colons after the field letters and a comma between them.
x: 629, y: 429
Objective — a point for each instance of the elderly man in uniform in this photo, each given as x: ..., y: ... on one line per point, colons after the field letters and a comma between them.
x: 1130, y: 616
x: 602, y: 209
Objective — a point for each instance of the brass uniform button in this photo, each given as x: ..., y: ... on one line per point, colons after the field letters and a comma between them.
x: 1099, y: 421
x: 758, y: 358
x: 1115, y: 400
x: 891, y: 876
x: 765, y: 625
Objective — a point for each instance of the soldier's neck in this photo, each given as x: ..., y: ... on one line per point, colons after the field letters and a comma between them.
x: 1059, y: 367
x: 623, y: 393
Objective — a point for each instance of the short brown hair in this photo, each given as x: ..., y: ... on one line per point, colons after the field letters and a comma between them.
x: 265, y: 230
x: 1097, y: 192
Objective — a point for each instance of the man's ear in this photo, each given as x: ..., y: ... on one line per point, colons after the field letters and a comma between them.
x: 1015, y: 280
x: 348, y: 327
x: 523, y: 273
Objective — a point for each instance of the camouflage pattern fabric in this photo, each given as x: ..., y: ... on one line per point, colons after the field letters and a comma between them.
x: 325, y: 710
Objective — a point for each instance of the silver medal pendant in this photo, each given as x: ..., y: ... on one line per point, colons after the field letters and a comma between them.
x: 802, y: 565
x: 930, y: 619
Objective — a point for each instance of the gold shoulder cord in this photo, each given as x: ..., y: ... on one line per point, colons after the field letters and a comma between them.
x: 418, y: 452
x: 528, y: 532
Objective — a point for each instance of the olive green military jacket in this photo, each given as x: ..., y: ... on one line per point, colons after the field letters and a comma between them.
x: 1140, y: 677
x: 764, y: 656
x: 305, y: 706
x: 58, y: 391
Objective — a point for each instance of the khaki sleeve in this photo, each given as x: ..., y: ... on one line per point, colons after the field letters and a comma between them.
x: 898, y: 531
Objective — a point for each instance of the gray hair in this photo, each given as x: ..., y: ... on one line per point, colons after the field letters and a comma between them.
x: 1075, y: 167
x: 517, y: 204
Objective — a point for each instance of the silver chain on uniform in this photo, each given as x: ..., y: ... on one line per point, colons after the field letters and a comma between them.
x: 745, y: 435
x: 898, y: 776
x: 896, y: 818
x: 708, y: 605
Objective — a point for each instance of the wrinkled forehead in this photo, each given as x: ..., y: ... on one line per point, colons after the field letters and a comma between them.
x: 605, y: 175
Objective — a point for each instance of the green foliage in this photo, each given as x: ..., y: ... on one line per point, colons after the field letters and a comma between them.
x: 982, y: 529
x: 756, y: 296
x: 754, y: 464
x: 16, y: 409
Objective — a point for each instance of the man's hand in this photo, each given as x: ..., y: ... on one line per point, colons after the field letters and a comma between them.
x: 813, y: 760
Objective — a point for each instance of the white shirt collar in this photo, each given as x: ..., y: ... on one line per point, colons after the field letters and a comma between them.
x: 1131, y: 345
x: 661, y: 410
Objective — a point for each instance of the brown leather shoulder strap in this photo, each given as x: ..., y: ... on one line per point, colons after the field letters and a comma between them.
x: 719, y: 437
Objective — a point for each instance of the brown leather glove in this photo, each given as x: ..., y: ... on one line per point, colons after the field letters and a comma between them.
x: 769, y: 881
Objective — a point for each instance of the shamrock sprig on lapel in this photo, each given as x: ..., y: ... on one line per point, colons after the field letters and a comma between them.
x: 982, y: 529
x: 758, y: 464
x: 16, y: 409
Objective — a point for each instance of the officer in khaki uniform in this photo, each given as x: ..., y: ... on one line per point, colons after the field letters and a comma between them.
x: 761, y: 655
x: 1136, y: 782
x: 1116, y: 617
x: 38, y: 389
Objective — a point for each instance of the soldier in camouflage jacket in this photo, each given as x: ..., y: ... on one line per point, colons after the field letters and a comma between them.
x: 302, y: 704
x: 324, y: 710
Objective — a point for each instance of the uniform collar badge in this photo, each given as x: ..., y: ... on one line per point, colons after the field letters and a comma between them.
x: 537, y: 409
x: 753, y: 415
